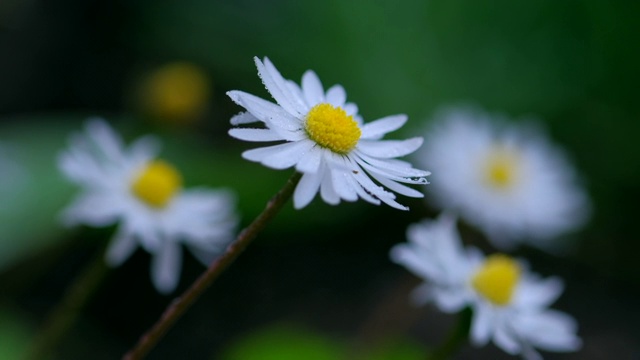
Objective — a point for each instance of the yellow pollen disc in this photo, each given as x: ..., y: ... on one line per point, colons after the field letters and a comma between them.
x: 497, y: 278
x: 501, y: 169
x: 332, y: 128
x: 157, y: 183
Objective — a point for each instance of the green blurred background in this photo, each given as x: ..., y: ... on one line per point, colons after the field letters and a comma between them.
x: 573, y: 64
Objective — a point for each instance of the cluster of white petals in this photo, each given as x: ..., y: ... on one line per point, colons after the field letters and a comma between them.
x: 524, y: 322
x: 506, y: 180
x: 335, y: 170
x: 105, y: 169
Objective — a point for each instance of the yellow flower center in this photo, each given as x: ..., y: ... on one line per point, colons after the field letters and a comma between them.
x: 501, y: 169
x: 497, y: 278
x: 157, y: 183
x: 332, y: 128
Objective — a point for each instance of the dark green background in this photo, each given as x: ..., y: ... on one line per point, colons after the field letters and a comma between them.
x: 573, y: 64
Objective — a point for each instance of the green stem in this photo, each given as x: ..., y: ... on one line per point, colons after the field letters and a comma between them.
x: 181, y: 304
x: 456, y: 337
x: 68, y: 309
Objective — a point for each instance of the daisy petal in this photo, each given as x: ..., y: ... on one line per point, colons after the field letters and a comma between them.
x: 550, y: 330
x: 377, y: 191
x: 144, y: 149
x: 406, y: 255
x: 296, y: 92
x: 449, y: 299
x: 278, y: 88
x: 307, y: 189
x: 376, y: 129
x: 481, y: 328
x: 351, y: 109
x: 290, y: 156
x: 342, y: 186
x: 95, y: 209
x: 539, y: 293
x: 243, y: 118
x: 165, y: 267
x: 268, y: 112
x: 120, y: 248
x: 399, y: 188
x: 392, y: 166
x: 361, y: 192
x: 255, y: 134
x: 104, y: 137
x: 312, y: 88
x: 392, y: 170
x: 311, y: 161
x: 327, y: 192
x: 260, y: 154
x: 506, y: 341
x: 336, y: 95
x: 389, y: 148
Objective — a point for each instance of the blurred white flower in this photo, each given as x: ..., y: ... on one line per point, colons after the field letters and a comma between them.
x: 509, y: 303
x: 506, y: 180
x: 144, y: 195
x: 326, y: 140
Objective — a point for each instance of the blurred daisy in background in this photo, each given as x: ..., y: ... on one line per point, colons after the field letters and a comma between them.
x: 509, y: 303
x: 326, y: 140
x: 130, y: 186
x: 177, y: 93
x: 507, y: 180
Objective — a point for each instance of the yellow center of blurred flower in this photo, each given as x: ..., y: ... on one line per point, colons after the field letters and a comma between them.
x: 157, y: 183
x: 501, y: 169
x: 177, y: 93
x: 497, y: 278
x: 332, y: 128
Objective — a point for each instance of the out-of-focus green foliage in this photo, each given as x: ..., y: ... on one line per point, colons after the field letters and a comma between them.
x: 15, y: 334
x: 288, y: 342
x: 400, y: 349
x: 284, y: 343
x: 33, y: 199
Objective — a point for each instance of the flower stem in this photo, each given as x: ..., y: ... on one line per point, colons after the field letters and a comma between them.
x: 182, y: 303
x: 456, y: 337
x: 66, y: 312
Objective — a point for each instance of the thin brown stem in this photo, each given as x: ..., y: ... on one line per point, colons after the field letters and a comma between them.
x: 181, y: 304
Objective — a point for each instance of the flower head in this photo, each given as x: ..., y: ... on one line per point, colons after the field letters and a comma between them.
x: 506, y: 180
x: 325, y: 139
x: 130, y: 186
x: 509, y: 303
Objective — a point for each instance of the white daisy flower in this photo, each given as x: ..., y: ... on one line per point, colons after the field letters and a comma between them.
x: 509, y: 303
x: 326, y: 140
x: 144, y: 195
x: 506, y: 180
